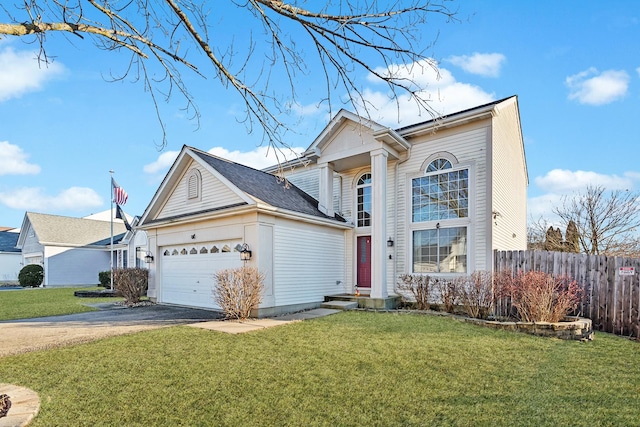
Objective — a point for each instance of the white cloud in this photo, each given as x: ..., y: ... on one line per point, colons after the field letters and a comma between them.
x: 13, y: 161
x: 483, y: 64
x: 260, y: 157
x: 34, y: 199
x: 559, y: 183
x: 594, y: 88
x: 164, y: 161
x: 562, y: 181
x: 638, y: 71
x: 20, y: 72
x: 446, y: 95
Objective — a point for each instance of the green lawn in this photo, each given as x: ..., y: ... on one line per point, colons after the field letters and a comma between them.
x: 40, y: 302
x: 349, y: 369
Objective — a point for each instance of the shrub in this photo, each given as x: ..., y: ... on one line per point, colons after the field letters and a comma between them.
x: 476, y: 293
x: 31, y: 275
x: 540, y: 297
x: 419, y: 286
x: 131, y: 283
x: 105, y: 278
x: 449, y: 294
x: 238, y: 291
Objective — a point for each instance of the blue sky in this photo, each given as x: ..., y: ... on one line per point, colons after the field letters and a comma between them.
x: 575, y: 67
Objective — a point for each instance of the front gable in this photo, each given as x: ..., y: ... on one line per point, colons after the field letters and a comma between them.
x: 198, y: 190
x: 191, y: 187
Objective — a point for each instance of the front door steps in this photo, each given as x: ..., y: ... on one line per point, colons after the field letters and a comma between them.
x: 351, y: 302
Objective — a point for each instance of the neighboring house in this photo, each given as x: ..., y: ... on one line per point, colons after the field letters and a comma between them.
x: 10, y: 256
x: 72, y: 250
x: 365, y: 204
x: 132, y: 249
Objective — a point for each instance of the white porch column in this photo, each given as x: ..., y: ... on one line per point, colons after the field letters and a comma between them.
x: 379, y: 224
x: 325, y: 197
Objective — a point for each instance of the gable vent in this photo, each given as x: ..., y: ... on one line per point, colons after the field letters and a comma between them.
x: 193, y: 185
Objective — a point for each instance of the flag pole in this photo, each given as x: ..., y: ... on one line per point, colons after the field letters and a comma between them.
x: 111, y: 219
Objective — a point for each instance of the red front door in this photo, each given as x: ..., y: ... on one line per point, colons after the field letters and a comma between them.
x: 364, y: 262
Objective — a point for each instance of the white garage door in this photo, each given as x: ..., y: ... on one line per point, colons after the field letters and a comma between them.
x: 187, y: 271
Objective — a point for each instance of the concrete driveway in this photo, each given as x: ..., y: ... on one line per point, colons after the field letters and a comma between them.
x: 20, y: 336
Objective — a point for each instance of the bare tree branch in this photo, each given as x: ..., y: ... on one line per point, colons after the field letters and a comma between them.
x: 382, y: 39
x: 606, y: 222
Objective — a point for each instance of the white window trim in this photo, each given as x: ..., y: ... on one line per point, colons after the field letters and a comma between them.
x: 364, y: 230
x: 468, y: 222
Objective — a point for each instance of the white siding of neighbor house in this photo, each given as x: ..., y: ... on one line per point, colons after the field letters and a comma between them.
x: 10, y: 265
x: 214, y: 194
x: 66, y: 266
x: 509, y: 181
x: 31, y: 244
x: 308, y: 262
x: 468, y: 143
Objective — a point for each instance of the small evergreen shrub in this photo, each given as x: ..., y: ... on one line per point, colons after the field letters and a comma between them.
x: 131, y: 283
x: 238, y: 291
x: 104, y: 277
x: 31, y: 275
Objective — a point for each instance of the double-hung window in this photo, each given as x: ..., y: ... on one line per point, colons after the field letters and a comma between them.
x: 440, y: 218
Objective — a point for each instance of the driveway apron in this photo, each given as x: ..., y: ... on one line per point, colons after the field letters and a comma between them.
x: 20, y: 336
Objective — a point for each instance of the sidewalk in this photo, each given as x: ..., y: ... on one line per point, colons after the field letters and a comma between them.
x: 241, y: 326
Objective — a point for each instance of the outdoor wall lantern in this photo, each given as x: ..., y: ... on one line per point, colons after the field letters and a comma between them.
x: 148, y: 258
x: 245, y: 253
x: 390, y: 242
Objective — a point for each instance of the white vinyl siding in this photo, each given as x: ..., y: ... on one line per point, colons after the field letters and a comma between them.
x: 509, y: 181
x: 66, y: 266
x: 307, y: 179
x: 468, y: 144
x: 308, y: 263
x: 214, y: 194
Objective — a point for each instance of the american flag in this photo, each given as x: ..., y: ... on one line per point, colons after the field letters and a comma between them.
x: 119, y: 195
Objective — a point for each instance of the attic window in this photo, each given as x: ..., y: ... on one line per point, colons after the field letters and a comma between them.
x: 194, y: 183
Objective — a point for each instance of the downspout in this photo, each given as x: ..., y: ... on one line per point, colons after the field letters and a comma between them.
x: 395, y: 218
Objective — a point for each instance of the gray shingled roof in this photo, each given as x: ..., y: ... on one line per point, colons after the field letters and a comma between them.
x: 66, y: 230
x: 264, y: 186
x: 8, y: 241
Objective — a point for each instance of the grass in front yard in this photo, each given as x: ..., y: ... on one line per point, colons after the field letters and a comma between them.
x: 349, y: 369
x: 40, y: 302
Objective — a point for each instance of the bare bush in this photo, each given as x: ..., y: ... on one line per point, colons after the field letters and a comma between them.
x: 540, y: 297
x: 131, y: 283
x: 476, y: 293
x: 238, y: 291
x: 449, y: 294
x: 419, y: 286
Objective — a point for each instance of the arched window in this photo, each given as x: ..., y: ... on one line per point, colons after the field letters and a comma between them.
x: 440, y: 218
x: 363, y: 198
x: 194, y: 184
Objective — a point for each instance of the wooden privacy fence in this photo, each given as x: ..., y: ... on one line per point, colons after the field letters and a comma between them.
x: 611, y: 284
